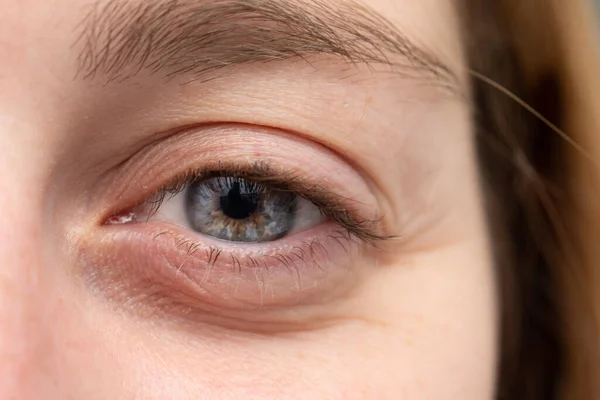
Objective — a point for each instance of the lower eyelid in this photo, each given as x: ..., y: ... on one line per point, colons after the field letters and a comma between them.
x: 314, y: 269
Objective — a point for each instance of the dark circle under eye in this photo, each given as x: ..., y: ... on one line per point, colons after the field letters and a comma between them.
x: 240, y: 210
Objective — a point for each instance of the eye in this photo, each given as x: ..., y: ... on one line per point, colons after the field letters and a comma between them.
x: 239, y: 210
x: 259, y: 236
x: 235, y: 227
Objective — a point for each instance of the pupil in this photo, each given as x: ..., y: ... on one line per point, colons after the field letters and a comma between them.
x: 238, y: 205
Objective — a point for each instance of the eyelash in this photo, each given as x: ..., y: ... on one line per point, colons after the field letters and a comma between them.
x: 337, y: 208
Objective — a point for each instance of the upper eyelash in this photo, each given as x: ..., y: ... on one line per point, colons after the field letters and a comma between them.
x: 331, y: 204
x: 226, y: 182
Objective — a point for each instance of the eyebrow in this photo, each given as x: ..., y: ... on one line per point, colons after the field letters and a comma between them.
x: 119, y: 39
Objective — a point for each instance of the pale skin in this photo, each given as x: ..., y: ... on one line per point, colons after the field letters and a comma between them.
x: 413, y: 317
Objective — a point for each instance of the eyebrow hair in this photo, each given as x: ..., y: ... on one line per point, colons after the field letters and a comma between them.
x: 119, y: 39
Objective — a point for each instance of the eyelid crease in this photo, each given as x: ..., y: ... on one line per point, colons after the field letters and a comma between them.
x: 334, y: 206
x: 184, y: 141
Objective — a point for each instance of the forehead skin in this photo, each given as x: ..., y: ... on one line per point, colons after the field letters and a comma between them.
x: 421, y: 328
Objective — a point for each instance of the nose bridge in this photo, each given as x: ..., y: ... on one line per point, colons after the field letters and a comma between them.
x: 24, y: 347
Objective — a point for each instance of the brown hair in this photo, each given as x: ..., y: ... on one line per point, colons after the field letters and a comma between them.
x: 517, y: 52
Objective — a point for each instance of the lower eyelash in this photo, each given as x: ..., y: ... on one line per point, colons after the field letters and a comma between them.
x: 304, y: 252
x: 303, y: 271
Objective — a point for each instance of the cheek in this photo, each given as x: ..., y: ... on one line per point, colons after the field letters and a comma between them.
x: 423, y: 330
x: 440, y: 307
x: 130, y: 365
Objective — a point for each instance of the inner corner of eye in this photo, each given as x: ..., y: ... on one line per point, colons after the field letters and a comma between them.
x: 121, y: 219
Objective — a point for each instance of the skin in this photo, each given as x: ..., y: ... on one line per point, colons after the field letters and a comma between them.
x: 418, y: 320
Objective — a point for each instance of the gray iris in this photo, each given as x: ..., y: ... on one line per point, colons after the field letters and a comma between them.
x: 239, y: 210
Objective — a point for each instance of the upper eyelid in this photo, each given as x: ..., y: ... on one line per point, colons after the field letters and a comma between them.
x: 162, y: 160
x: 318, y: 129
